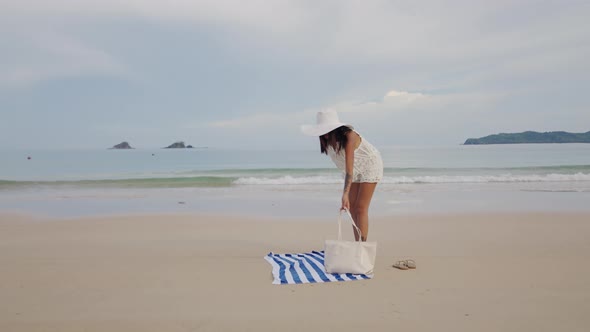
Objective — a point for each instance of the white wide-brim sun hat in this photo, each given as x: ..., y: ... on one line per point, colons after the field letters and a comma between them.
x: 326, y: 122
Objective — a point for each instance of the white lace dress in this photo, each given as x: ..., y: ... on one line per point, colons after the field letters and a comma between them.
x: 368, y: 165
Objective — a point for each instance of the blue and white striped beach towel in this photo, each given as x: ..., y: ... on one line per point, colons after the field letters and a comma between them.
x: 305, y: 268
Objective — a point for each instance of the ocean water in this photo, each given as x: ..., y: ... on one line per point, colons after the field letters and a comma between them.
x: 531, y: 177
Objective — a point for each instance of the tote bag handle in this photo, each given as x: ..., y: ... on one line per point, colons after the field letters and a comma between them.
x: 351, y: 221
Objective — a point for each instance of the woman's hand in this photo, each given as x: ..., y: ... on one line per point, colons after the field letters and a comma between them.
x: 345, y: 202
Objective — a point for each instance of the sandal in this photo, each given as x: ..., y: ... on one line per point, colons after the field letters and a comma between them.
x: 401, y: 265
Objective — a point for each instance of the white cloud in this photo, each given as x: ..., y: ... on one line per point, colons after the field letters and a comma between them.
x: 401, y: 101
x: 404, y: 94
x: 470, y: 38
x: 262, y: 120
x: 482, y: 51
x: 263, y: 13
x: 393, y: 101
x: 399, y: 117
x: 42, y: 55
x: 267, y: 119
x: 370, y: 30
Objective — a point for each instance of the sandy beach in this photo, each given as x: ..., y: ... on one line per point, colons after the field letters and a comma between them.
x: 476, y: 272
x: 154, y: 153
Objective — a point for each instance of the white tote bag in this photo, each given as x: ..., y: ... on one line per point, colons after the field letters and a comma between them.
x: 355, y: 257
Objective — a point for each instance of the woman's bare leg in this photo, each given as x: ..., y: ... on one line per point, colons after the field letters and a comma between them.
x: 352, y: 197
x: 360, y: 207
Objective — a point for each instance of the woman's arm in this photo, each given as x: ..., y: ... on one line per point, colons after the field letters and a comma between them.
x: 351, y: 145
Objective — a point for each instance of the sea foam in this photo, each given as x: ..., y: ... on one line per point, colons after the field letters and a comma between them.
x: 504, y: 178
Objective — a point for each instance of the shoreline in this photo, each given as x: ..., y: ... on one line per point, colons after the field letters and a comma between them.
x: 298, y: 201
x: 173, y: 272
x: 7, y: 216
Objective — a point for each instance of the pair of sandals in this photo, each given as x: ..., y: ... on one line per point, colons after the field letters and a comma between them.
x: 405, y: 264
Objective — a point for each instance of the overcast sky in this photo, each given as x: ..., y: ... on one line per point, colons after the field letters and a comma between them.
x: 90, y: 74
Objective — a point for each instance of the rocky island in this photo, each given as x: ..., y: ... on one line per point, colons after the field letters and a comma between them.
x: 122, y: 146
x: 178, y: 145
x: 531, y: 137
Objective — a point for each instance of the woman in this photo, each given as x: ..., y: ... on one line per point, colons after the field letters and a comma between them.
x: 357, y: 158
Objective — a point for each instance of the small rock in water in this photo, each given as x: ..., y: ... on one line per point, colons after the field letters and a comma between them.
x: 181, y: 203
x: 122, y: 145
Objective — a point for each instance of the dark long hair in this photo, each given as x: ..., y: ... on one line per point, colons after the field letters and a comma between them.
x: 336, y: 138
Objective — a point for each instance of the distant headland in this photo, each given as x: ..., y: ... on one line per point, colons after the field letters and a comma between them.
x: 531, y: 137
